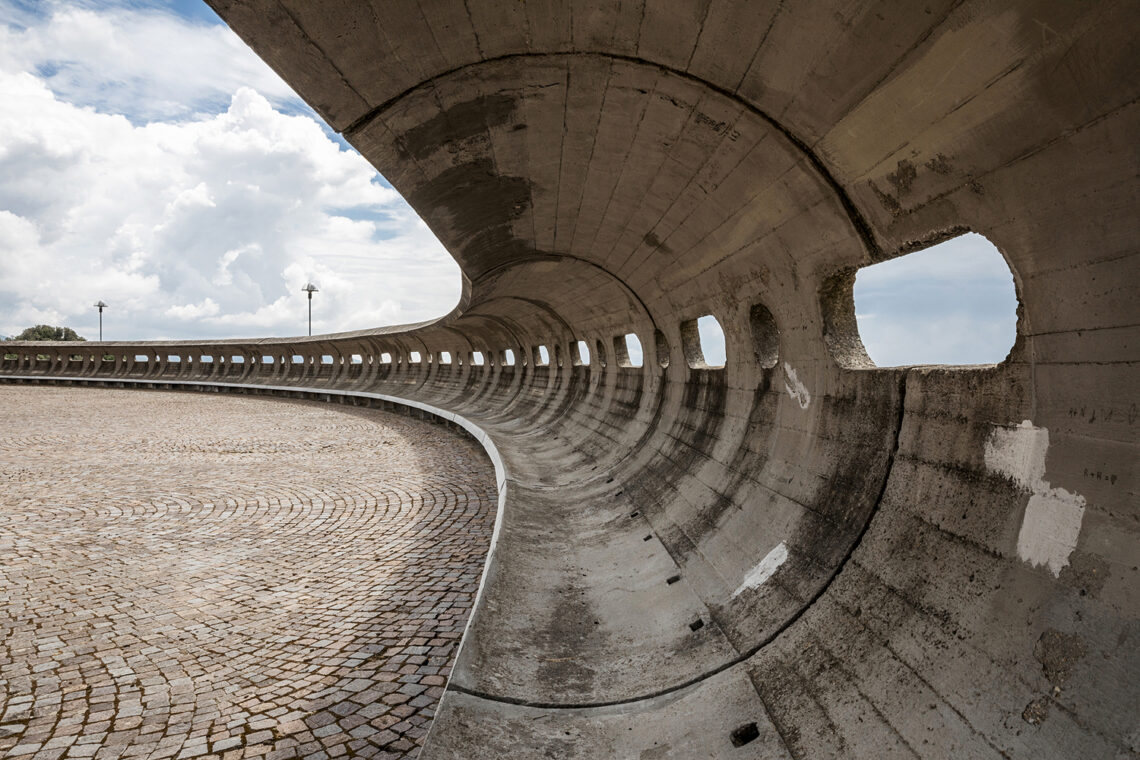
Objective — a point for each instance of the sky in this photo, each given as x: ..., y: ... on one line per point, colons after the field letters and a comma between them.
x: 150, y: 160
x: 953, y: 303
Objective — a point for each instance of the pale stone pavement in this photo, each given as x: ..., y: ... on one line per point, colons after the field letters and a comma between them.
x: 189, y: 575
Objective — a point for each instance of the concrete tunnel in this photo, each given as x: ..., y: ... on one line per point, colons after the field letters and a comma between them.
x: 801, y: 554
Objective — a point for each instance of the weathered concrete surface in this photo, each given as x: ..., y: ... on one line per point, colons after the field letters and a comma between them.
x: 949, y: 555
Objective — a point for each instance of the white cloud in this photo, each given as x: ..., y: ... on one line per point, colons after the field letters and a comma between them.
x: 142, y: 62
x: 967, y: 257
x: 953, y: 303
x: 204, y: 226
x: 194, y: 311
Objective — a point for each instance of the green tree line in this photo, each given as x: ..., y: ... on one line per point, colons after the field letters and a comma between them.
x: 45, y: 332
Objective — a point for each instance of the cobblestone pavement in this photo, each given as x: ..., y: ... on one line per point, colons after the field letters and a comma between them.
x: 190, y: 575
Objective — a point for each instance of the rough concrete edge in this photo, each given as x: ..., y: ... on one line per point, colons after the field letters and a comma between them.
x: 476, y: 432
x: 627, y: 710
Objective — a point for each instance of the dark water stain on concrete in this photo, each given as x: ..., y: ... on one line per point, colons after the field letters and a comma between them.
x: 940, y: 164
x: 471, y: 207
x: 653, y: 241
x: 460, y: 122
x: 572, y: 621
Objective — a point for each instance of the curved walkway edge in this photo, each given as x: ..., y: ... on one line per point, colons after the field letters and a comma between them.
x: 327, y: 395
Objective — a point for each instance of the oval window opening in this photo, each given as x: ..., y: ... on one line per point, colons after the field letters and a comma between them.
x: 627, y: 351
x: 634, y: 350
x: 445, y: 357
x: 477, y: 358
x: 703, y: 342
x: 543, y: 357
x: 509, y: 358
x: 952, y: 303
x: 583, y: 356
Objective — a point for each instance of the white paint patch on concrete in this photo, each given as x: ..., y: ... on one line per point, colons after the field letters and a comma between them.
x: 1053, y: 517
x: 765, y: 570
x: 1018, y: 452
x: 1050, y: 529
x: 796, y: 389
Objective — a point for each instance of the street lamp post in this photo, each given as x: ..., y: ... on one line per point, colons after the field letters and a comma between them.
x: 100, y: 306
x: 310, y: 288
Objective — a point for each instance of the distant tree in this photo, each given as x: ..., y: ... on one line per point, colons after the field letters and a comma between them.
x: 47, y: 332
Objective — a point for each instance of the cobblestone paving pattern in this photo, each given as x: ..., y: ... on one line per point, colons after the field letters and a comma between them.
x: 191, y: 575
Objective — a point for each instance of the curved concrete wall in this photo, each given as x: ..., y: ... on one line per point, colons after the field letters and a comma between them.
x: 799, y: 554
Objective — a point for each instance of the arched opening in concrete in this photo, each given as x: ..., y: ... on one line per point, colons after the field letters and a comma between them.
x: 627, y: 350
x: 953, y: 302
x: 702, y: 340
x: 580, y: 353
